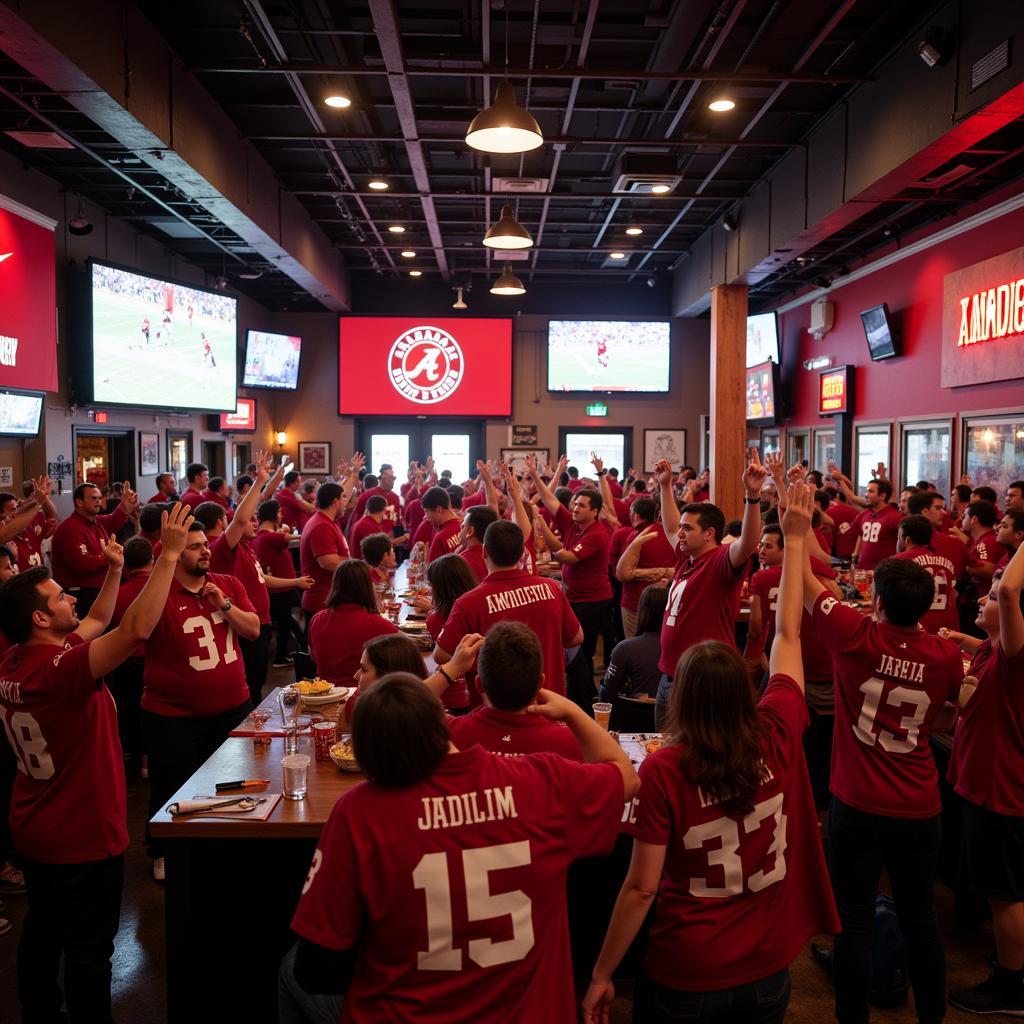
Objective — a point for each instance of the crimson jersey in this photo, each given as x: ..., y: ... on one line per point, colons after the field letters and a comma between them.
x: 445, y: 540
x: 655, y: 554
x: 879, y: 531
x: 739, y: 894
x: 988, y: 749
x: 423, y: 533
x: 703, y: 602
x: 453, y: 889
x: 845, y: 537
x: 513, y: 595
x: 475, y: 557
x: 414, y: 515
x: 336, y: 638
x: 131, y: 587
x: 292, y: 513
x: 275, y: 557
x: 940, y: 567
x: 193, y: 665
x: 621, y: 539
x: 77, y: 550
x: 508, y: 734
x: 363, y: 528
x: 242, y: 563
x: 478, y: 497
x: 587, y: 579
x: 69, y: 799
x: 192, y: 498
x: 393, y: 512
x: 320, y: 536
x: 987, y: 549
x: 29, y: 541
x: 890, y: 682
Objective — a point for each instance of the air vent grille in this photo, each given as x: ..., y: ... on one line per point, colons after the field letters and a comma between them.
x: 987, y: 67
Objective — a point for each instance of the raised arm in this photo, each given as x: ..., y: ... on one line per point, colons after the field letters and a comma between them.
x: 1011, y: 620
x: 846, y: 486
x: 786, y: 657
x: 546, y: 494
x: 13, y: 525
x: 265, y: 480
x: 102, y: 609
x: 488, y: 480
x: 607, y: 498
x: 753, y: 477
x: 626, y: 567
x: 669, y: 512
x: 515, y: 495
x: 351, y: 478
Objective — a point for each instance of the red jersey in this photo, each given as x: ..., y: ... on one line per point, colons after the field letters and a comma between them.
x: 478, y: 497
x: 29, y: 541
x: 275, y: 557
x: 365, y: 527
x: 77, y: 550
x: 219, y: 499
x: 320, y: 536
x: 513, y: 595
x: 68, y: 805
x: 655, y: 554
x: 475, y: 557
x: 193, y: 665
x: 242, y: 563
x: 393, y: 512
x: 987, y: 549
x: 621, y: 539
x: 587, y: 579
x: 482, y: 846
x: 940, y: 567
x: 131, y: 587
x: 766, y: 585
x: 703, y: 602
x: 879, y: 531
x: 739, y: 894
x: 336, y: 638
x: 845, y: 537
x: 988, y: 749
x: 508, y: 734
x: 191, y: 497
x: 445, y: 540
x: 890, y: 682
x: 292, y: 513
x: 955, y: 550
x: 423, y: 534
x: 413, y: 515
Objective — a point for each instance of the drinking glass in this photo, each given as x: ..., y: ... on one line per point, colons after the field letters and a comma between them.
x: 296, y: 776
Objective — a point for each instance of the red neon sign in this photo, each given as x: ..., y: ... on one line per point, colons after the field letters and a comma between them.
x: 992, y: 313
x: 243, y: 418
x: 833, y: 391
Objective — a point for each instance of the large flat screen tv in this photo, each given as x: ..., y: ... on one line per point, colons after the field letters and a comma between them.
x: 20, y: 413
x: 879, y: 332
x: 762, y: 394
x: 762, y: 339
x: 152, y: 342
x: 608, y: 355
x: 271, y: 360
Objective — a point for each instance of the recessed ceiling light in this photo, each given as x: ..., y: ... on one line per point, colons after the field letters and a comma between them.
x: 634, y: 231
x: 338, y: 102
x: 616, y: 255
x: 396, y: 229
x: 408, y: 253
x: 660, y: 190
x: 378, y: 185
x: 722, y: 104
x: 415, y: 273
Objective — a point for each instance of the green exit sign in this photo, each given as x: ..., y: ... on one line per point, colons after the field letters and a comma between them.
x: 597, y: 409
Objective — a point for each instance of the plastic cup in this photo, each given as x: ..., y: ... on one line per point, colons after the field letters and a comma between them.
x: 296, y: 776
x: 291, y: 738
x: 602, y: 714
x: 325, y: 735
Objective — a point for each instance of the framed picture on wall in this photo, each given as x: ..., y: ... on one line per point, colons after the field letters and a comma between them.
x: 315, y: 457
x: 516, y: 457
x: 664, y: 444
x: 149, y: 454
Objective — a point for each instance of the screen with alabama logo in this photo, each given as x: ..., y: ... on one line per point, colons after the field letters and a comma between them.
x: 444, y: 366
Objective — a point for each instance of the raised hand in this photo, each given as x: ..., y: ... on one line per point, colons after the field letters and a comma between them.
x: 42, y: 487
x: 174, y: 526
x: 530, y: 462
x: 795, y: 473
x: 358, y: 461
x: 796, y: 520
x: 880, y: 472
x: 129, y: 500
x: 596, y: 462
x: 563, y: 464
x: 754, y: 475
x: 776, y: 466
x: 464, y: 658
x: 484, y: 470
x: 511, y: 483
x: 113, y: 553
x: 664, y: 473
x: 264, y: 462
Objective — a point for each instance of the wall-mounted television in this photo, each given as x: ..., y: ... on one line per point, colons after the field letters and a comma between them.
x: 154, y: 343
x: 762, y: 394
x: 609, y: 355
x: 424, y: 366
x: 241, y: 421
x: 883, y: 342
x: 762, y: 339
x: 20, y: 413
x: 271, y: 360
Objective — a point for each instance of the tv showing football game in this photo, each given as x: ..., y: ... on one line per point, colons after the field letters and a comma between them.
x: 20, y: 413
x: 271, y: 360
x: 761, y: 394
x: 762, y: 339
x: 608, y: 355
x: 158, y: 343
x: 878, y: 331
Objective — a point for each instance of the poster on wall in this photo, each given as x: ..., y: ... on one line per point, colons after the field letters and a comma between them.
x: 28, y: 302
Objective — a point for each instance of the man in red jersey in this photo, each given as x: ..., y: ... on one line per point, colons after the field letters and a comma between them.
x: 704, y: 595
x: 1010, y: 535
x: 843, y: 516
x: 218, y: 490
x: 471, y: 538
x: 371, y: 522
x: 986, y: 769
x: 509, y: 593
x: 323, y: 547
x: 443, y: 523
x: 295, y: 510
x: 892, y: 683
x: 273, y: 551
x: 877, y: 526
x: 68, y: 815
x: 198, y: 476
x: 76, y: 554
x: 978, y: 525
x: 932, y: 506
x: 647, y: 558
x: 27, y: 545
x: 915, y: 545
x: 484, y: 842
x: 1014, y: 501
x: 164, y: 489
x: 385, y: 487
x: 194, y: 680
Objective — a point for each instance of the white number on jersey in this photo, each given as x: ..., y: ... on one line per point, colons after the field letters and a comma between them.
x: 29, y: 745
x: 675, y: 599
x: 911, y: 724
x: 432, y: 876
x: 869, y: 532
x: 773, y: 599
x: 211, y: 659
x: 941, y: 597
x: 727, y: 856
x: 318, y: 859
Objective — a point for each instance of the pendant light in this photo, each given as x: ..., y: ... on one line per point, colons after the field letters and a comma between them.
x: 504, y: 127
x: 508, y: 284
x: 460, y: 302
x: 508, y: 233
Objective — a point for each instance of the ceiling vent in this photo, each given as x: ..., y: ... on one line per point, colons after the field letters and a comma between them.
x: 642, y: 173
x: 174, y: 228
x: 518, y: 186
x: 40, y: 140
x: 940, y: 179
x: 987, y: 67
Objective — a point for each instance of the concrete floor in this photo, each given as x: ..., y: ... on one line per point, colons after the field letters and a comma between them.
x: 138, y: 983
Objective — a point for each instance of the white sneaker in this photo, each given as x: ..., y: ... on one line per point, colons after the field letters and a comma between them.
x: 159, y: 874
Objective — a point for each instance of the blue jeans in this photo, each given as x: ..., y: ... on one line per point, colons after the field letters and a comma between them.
x: 661, y: 702
x: 759, y: 1002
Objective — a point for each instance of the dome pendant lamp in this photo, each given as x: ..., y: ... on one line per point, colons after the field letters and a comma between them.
x: 508, y: 284
x: 504, y: 127
x: 508, y: 233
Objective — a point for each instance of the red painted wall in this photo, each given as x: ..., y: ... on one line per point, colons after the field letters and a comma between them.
x: 908, y: 385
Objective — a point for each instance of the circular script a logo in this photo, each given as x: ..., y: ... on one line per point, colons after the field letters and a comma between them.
x: 425, y: 365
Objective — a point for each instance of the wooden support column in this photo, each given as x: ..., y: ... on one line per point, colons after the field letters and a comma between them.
x: 728, y: 384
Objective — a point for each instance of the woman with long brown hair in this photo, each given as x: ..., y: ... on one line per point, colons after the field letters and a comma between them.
x: 449, y: 577
x: 725, y: 834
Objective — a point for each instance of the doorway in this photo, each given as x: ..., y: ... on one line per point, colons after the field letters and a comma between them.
x: 103, y: 456
x: 179, y: 455
x: 612, y: 444
x: 456, y: 444
x: 213, y: 457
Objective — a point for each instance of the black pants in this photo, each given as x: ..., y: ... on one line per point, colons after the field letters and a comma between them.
x: 818, y: 753
x: 8, y: 773
x: 285, y: 627
x: 594, y: 617
x: 126, y: 686
x: 256, y: 655
x: 177, y: 747
x: 860, y: 845
x: 759, y: 1002
x: 74, y: 911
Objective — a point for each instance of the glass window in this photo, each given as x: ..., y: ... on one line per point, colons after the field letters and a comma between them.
x: 770, y: 442
x: 392, y: 448
x: 926, y: 455
x: 872, y: 448
x: 179, y: 455
x: 451, y: 451
x: 824, y: 450
x: 797, y: 445
x: 610, y: 447
x: 994, y: 452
